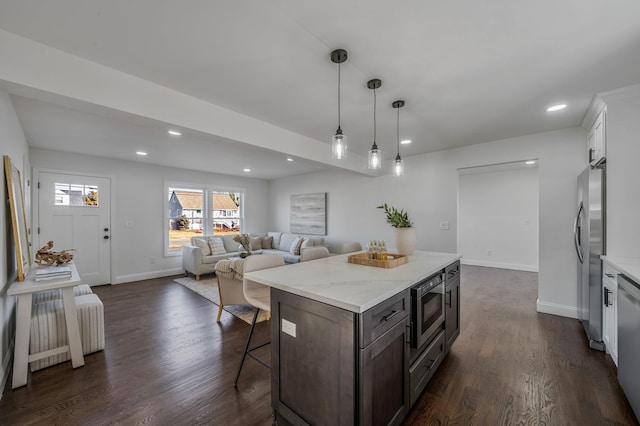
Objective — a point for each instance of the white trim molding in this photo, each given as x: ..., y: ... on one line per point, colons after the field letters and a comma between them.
x: 147, y: 275
x: 556, y: 309
x: 500, y: 265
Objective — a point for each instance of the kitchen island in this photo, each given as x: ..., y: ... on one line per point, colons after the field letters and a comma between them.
x: 342, y: 347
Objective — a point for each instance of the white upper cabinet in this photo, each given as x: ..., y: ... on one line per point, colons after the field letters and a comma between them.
x: 597, y: 139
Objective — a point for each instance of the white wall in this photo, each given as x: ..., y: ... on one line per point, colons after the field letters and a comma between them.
x: 138, y: 191
x: 429, y: 192
x: 623, y: 173
x: 13, y: 144
x: 498, y: 217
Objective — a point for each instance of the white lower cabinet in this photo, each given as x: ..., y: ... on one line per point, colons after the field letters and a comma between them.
x: 610, y: 310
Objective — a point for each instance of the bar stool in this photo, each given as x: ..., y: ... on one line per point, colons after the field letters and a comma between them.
x: 259, y: 296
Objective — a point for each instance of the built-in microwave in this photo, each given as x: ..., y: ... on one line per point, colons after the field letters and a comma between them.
x: 427, y: 310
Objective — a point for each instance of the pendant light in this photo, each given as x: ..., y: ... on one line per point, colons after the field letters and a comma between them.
x: 375, y: 155
x: 398, y: 167
x: 339, y: 140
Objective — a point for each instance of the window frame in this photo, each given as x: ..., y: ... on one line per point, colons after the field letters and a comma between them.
x: 207, y: 211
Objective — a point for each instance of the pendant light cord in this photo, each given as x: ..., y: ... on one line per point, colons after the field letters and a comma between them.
x: 374, y: 116
x: 398, y: 130
x: 338, y: 95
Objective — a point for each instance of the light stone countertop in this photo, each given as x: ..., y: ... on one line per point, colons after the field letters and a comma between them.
x: 629, y: 266
x: 356, y: 288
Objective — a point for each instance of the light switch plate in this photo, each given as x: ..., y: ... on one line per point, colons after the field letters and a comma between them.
x: 288, y: 328
x: 444, y: 225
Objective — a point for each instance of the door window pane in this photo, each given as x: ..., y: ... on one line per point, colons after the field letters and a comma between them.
x: 76, y: 195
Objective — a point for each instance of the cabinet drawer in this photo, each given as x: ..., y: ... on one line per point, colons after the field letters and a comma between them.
x: 452, y: 272
x: 423, y: 369
x: 610, y: 273
x: 382, y: 317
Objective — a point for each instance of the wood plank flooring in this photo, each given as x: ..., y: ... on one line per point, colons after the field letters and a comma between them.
x: 168, y: 362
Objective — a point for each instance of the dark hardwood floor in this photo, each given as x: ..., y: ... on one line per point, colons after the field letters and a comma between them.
x: 168, y: 362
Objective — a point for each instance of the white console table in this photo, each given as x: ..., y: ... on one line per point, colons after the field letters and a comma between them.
x: 24, y: 290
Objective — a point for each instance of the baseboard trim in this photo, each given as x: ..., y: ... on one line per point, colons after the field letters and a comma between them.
x: 556, y: 309
x: 147, y: 275
x: 501, y: 265
x: 5, y: 367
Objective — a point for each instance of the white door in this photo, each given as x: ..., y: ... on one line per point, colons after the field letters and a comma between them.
x: 75, y: 213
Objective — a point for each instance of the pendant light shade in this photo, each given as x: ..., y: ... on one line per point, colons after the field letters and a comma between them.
x: 398, y: 166
x: 339, y: 139
x: 375, y: 154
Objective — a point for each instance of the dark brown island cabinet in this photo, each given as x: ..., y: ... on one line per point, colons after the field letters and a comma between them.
x: 331, y: 366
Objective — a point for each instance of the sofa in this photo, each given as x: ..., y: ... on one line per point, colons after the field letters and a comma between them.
x: 200, y: 257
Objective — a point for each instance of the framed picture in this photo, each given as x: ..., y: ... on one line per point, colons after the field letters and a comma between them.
x: 308, y: 214
x: 18, y: 218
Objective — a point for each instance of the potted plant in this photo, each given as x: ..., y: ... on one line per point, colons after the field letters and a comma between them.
x: 405, y: 233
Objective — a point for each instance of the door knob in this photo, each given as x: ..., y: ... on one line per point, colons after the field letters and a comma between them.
x: 106, y: 237
x: 106, y: 229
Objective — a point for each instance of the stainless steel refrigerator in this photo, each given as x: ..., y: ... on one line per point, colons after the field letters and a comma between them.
x: 589, y: 238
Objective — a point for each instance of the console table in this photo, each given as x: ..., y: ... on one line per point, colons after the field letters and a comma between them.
x: 24, y: 290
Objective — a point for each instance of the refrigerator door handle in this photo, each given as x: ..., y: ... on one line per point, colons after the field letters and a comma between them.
x: 577, y: 229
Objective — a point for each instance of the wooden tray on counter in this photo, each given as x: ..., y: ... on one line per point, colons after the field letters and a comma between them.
x: 392, y: 261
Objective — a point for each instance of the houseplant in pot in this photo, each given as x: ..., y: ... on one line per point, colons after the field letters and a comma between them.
x: 405, y: 233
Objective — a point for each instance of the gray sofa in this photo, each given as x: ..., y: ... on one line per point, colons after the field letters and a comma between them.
x: 200, y: 257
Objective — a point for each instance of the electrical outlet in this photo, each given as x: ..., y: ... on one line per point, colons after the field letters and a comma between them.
x: 152, y: 259
x: 288, y: 328
x: 489, y: 252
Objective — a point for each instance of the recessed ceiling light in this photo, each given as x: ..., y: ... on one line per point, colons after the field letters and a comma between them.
x: 174, y: 133
x: 141, y: 153
x: 558, y: 107
x: 530, y: 162
x: 246, y: 170
x: 289, y: 159
x: 405, y: 141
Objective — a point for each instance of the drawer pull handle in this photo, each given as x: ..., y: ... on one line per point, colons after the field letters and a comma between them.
x: 609, y: 275
x: 391, y: 315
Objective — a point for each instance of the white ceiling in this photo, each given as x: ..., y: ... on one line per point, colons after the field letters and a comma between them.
x: 469, y: 71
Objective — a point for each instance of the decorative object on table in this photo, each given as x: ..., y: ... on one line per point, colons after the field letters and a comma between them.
x: 245, y: 242
x: 377, y: 250
x: 46, y: 257
x: 392, y: 261
x: 46, y: 273
x: 308, y: 214
x: 18, y: 218
x: 405, y: 233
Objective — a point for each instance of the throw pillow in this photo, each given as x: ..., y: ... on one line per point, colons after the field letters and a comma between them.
x: 255, y: 243
x: 217, y: 246
x: 204, y: 246
x: 266, y: 242
x: 308, y: 242
x: 295, y: 246
x: 276, y: 239
x: 285, y: 241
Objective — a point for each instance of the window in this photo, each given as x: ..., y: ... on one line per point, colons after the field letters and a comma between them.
x: 69, y: 194
x: 193, y: 211
x: 184, y: 217
x: 226, y: 212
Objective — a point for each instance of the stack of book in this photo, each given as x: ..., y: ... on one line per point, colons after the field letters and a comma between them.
x: 53, y: 273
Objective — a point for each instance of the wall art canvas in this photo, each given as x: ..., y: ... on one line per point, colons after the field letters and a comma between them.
x: 308, y: 214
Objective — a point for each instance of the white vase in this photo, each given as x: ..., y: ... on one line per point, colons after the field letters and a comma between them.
x: 405, y: 240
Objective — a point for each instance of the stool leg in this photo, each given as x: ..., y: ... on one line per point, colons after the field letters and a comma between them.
x: 246, y: 348
x: 219, y: 312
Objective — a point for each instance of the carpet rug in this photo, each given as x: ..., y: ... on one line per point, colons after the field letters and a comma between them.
x: 208, y: 288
